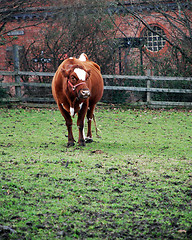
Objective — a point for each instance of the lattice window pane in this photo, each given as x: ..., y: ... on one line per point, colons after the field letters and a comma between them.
x: 153, y: 41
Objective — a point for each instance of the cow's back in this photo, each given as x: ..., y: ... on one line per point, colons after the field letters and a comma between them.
x: 58, y: 84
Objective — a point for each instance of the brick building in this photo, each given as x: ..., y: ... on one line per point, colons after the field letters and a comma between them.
x: 22, y: 28
x: 156, y: 33
x: 143, y: 30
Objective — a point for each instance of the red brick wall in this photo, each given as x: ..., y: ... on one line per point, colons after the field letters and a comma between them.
x: 127, y: 24
x: 31, y: 34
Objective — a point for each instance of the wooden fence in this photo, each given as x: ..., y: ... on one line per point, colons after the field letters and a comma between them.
x: 149, y: 90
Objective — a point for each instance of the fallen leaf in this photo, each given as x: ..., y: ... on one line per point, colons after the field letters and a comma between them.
x: 182, y: 231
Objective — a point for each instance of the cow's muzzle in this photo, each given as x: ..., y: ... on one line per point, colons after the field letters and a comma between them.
x: 84, y: 93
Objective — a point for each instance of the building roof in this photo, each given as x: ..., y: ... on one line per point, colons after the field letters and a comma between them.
x: 45, y: 12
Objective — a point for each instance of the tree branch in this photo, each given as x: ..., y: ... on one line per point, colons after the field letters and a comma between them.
x: 141, y: 19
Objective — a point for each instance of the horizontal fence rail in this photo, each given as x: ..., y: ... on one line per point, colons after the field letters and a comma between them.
x: 50, y: 74
x: 154, y: 78
x: 141, y: 89
x: 148, y: 89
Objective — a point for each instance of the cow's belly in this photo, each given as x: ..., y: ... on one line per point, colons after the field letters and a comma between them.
x: 96, y: 93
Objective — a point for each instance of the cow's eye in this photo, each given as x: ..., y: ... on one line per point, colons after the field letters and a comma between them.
x: 73, y: 78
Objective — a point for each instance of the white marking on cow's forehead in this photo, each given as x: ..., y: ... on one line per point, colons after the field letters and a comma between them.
x: 80, y: 73
x: 82, y: 58
x: 71, y: 58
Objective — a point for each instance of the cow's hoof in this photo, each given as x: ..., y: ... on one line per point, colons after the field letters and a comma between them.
x: 82, y: 142
x: 70, y: 144
x: 88, y: 140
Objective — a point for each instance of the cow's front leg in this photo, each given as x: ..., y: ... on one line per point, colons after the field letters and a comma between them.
x: 90, y: 111
x: 69, y: 123
x: 80, y: 124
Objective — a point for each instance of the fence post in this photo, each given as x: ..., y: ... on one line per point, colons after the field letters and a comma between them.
x: 16, y: 69
x: 148, y: 86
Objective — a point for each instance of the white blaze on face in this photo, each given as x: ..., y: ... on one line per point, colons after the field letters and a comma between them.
x: 80, y: 73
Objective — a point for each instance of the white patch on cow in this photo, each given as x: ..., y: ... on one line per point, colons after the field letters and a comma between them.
x: 72, y: 111
x: 80, y: 105
x: 71, y: 58
x: 89, y: 139
x: 63, y: 106
x: 82, y: 57
x: 83, y: 134
x: 80, y: 73
x: 84, y: 130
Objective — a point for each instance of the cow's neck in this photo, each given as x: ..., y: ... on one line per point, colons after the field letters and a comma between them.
x: 71, y: 95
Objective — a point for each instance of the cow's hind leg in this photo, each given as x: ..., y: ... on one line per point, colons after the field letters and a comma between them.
x: 69, y: 123
x: 90, y: 111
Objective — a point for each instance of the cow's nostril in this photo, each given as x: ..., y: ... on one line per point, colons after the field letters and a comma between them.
x: 85, y: 92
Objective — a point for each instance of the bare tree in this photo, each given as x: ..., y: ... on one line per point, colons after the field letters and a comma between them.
x: 79, y: 26
x: 10, y: 12
x: 174, y: 14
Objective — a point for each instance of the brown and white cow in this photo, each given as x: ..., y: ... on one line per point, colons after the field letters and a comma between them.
x: 77, y: 86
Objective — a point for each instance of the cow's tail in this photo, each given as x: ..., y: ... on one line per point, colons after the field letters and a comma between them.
x: 96, y: 129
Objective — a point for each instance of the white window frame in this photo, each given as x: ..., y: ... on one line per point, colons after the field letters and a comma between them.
x: 153, y: 41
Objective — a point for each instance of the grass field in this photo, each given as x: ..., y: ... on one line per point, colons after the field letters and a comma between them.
x: 133, y: 183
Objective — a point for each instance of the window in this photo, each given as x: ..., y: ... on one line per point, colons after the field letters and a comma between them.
x: 153, y: 41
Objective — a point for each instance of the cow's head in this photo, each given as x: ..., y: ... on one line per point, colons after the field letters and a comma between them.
x: 77, y: 79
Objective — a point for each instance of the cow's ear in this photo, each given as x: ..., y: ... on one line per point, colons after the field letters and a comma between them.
x: 65, y: 72
x: 83, y: 57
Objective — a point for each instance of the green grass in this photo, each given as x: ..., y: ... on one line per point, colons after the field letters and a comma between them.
x: 133, y: 183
